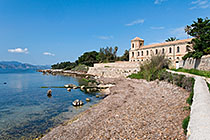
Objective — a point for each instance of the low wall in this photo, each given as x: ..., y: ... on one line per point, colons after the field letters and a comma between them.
x: 117, y: 69
x: 200, y: 64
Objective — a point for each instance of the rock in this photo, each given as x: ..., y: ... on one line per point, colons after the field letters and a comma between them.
x: 69, y: 89
x: 5, y: 83
x: 49, y: 92
x: 70, y: 86
x: 97, y: 96
x: 66, y: 86
x: 82, y: 87
x: 75, y: 87
x: 77, y: 103
x: 88, y: 90
x: 88, y: 99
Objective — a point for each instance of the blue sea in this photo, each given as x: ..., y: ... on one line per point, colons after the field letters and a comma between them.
x: 26, y: 111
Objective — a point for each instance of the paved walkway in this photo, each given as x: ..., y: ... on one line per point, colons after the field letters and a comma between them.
x: 199, y: 125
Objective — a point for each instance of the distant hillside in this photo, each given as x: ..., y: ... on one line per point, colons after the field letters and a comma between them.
x: 14, y: 66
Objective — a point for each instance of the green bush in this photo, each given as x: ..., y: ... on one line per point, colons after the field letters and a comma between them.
x: 185, y: 124
x: 150, y: 69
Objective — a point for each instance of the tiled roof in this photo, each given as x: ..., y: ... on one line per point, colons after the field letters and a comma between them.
x: 137, y: 38
x: 167, y: 43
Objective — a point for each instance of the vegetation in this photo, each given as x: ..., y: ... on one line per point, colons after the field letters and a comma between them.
x: 185, y: 124
x: 171, y: 39
x: 105, y: 55
x: 208, y: 85
x: 64, y: 65
x: 81, y: 68
x: 151, y: 68
x: 194, y: 71
x: 200, y: 29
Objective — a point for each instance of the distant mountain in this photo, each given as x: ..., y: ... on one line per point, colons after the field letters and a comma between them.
x: 14, y: 66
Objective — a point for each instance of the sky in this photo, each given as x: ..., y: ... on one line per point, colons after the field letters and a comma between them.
x: 50, y: 31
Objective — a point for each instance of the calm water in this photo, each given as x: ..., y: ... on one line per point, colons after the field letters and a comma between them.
x: 26, y: 111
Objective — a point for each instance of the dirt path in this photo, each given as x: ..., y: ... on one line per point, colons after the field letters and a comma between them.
x: 135, y: 109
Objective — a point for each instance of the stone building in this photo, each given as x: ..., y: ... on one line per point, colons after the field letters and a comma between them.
x: 173, y: 50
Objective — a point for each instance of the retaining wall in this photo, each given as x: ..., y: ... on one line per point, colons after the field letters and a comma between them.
x: 200, y: 64
x: 113, y: 70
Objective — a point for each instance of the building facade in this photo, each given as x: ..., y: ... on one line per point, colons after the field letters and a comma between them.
x: 173, y: 50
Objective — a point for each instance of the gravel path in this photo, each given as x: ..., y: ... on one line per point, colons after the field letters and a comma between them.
x: 135, y: 109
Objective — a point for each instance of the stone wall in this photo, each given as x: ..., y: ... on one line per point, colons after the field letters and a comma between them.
x: 200, y: 64
x: 113, y: 70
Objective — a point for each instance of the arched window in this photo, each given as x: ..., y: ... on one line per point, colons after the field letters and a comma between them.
x: 170, y: 50
x: 147, y: 52
x: 132, y: 45
x: 138, y: 53
x: 163, y: 51
x: 178, y: 58
x: 132, y: 54
x: 178, y: 49
x: 142, y: 53
x: 140, y: 44
x: 156, y: 51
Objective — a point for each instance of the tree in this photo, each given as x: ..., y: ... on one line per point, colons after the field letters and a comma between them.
x: 171, y: 39
x: 125, y: 56
x: 200, y: 29
x: 107, y: 54
x: 88, y: 58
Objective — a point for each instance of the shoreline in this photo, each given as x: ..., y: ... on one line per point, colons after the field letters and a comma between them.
x: 86, y: 124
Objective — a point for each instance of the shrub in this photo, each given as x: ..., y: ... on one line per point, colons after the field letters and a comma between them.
x: 150, y: 69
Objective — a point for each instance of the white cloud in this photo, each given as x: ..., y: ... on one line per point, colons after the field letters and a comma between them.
x: 178, y: 32
x: 139, y: 21
x: 200, y: 4
x: 157, y: 28
x: 18, y: 50
x: 105, y: 37
x: 48, y: 53
x: 158, y: 1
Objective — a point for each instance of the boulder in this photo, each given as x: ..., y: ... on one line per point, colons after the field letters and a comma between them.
x: 77, y: 103
x: 49, y: 92
x: 69, y: 89
x: 97, y: 96
x: 88, y: 99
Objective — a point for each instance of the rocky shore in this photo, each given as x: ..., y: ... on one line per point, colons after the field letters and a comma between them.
x: 134, y: 109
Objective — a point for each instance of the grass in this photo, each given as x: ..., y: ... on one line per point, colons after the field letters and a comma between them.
x: 208, y: 85
x: 194, y: 71
x: 185, y: 123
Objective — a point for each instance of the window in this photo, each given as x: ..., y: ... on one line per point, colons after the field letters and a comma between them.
x: 132, y: 54
x: 142, y: 53
x: 178, y: 49
x: 170, y: 50
x: 178, y: 58
x: 132, y: 45
x: 147, y: 52
x: 163, y: 51
x: 156, y: 51
x: 138, y: 53
x: 140, y: 44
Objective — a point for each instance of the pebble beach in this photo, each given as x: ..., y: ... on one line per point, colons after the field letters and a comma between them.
x: 134, y: 109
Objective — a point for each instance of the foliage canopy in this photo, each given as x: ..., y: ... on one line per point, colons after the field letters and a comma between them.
x: 200, y: 29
